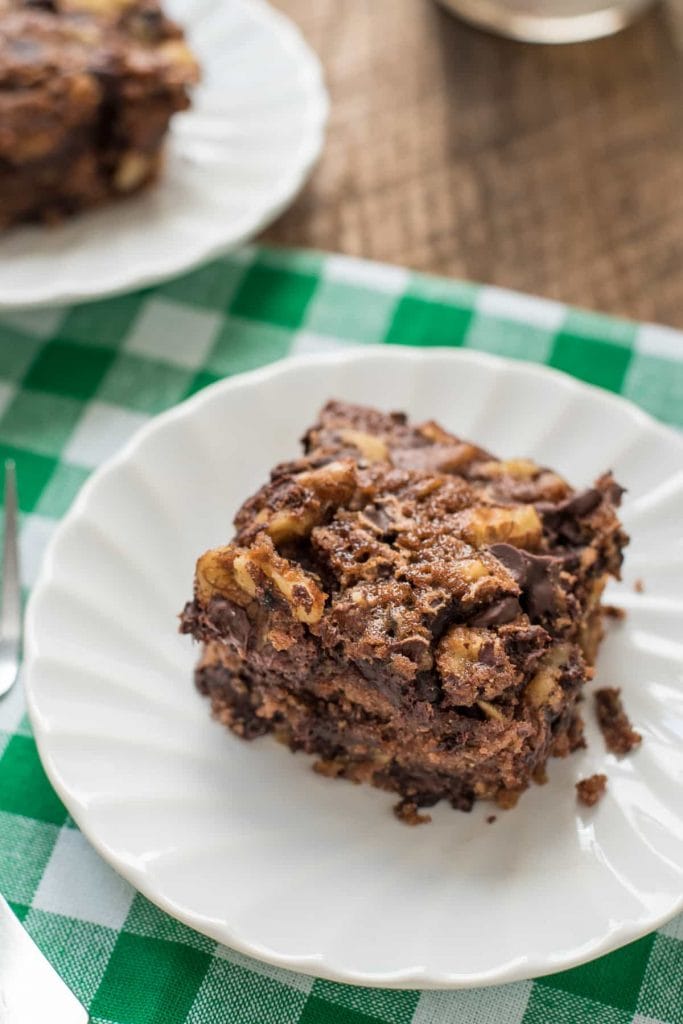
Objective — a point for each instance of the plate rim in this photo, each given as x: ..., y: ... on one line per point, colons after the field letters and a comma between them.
x: 270, y: 209
x: 318, y: 965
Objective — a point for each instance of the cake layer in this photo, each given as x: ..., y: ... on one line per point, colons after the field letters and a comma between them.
x: 409, y: 608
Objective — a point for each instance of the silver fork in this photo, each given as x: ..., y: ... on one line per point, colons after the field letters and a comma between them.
x: 10, y: 613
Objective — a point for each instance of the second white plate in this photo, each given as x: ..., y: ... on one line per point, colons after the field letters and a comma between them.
x: 242, y: 840
x: 233, y: 163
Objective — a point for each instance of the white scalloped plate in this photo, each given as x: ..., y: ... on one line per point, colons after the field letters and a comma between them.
x: 242, y: 840
x: 234, y: 161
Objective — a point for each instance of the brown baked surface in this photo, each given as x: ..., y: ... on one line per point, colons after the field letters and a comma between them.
x: 410, y: 609
x: 87, y: 89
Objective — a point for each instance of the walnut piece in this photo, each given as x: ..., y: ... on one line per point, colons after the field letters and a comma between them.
x: 459, y: 649
x: 519, y: 525
x: 132, y: 170
x: 518, y: 469
x: 491, y: 711
x: 434, y: 432
x: 215, y: 577
x: 544, y: 690
x: 371, y: 447
x: 325, y: 489
x: 240, y: 574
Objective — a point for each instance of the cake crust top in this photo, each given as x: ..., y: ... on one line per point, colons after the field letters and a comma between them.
x: 416, y: 556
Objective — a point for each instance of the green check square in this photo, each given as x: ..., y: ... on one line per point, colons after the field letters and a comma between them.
x: 273, y: 295
x: 350, y: 311
x: 613, y: 979
x: 591, y: 359
x: 210, y: 287
x: 149, y: 981
x: 68, y: 369
x: 78, y: 950
x: 199, y: 381
x: 656, y: 384
x: 142, y: 384
x: 244, y: 345
x: 231, y: 992
x: 17, y: 352
x: 594, y: 348
x: 661, y: 994
x: 39, y: 421
x: 18, y: 909
x: 587, y: 324
x: 419, y: 321
x: 509, y: 338
x: 147, y: 921
x: 550, y: 1006
x: 33, y: 473
x: 386, y: 1004
x: 319, y: 1011
x: 24, y: 786
x: 105, y: 322
x: 25, y: 848
x: 61, y: 489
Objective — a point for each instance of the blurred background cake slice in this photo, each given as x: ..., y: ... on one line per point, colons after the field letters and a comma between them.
x: 87, y: 91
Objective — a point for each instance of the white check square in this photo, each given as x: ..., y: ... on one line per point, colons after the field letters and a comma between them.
x: 366, y: 274
x: 35, y: 534
x: 477, y: 1006
x: 174, y: 333
x: 41, y: 322
x: 527, y: 309
x: 100, y: 432
x: 305, y: 342
x: 664, y: 342
x: 77, y: 883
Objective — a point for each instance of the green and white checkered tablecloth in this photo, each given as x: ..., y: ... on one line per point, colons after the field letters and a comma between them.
x: 74, y: 384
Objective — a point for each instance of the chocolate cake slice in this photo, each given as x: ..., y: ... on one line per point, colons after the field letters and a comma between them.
x: 415, y: 612
x: 87, y: 90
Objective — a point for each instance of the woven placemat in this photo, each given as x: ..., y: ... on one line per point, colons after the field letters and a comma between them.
x: 74, y: 385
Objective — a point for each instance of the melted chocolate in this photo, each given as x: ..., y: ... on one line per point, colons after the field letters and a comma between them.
x: 498, y: 613
x: 535, y: 574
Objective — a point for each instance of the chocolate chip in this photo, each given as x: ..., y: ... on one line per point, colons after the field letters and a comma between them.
x: 497, y: 614
x: 581, y: 504
x: 535, y: 575
x: 562, y: 518
x: 432, y: 458
x: 230, y: 621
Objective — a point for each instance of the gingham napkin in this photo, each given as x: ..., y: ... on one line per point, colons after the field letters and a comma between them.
x: 74, y: 385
